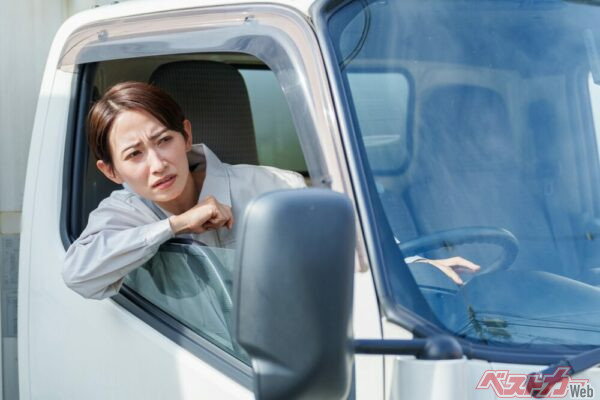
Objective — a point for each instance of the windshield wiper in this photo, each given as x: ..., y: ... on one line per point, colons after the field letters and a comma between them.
x: 577, y: 363
x: 586, y: 2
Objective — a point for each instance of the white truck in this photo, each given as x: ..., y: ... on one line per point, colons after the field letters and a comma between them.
x: 427, y: 129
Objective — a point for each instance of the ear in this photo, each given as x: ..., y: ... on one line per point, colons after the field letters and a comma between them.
x: 187, y: 127
x: 109, y: 172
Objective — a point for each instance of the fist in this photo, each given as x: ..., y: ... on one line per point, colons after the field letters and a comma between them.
x: 207, y: 214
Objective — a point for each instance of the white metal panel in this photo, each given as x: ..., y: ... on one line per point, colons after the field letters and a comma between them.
x: 438, y: 380
x: 137, y: 7
x: 392, y: 331
x: 366, y: 322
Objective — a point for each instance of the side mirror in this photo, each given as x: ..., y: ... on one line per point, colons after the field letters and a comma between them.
x: 293, y: 295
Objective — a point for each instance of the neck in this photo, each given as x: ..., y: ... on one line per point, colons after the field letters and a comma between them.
x: 186, y: 200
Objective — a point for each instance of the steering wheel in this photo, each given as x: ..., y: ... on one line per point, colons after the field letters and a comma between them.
x: 475, y: 234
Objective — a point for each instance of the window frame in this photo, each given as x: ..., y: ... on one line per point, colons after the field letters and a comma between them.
x: 282, y: 39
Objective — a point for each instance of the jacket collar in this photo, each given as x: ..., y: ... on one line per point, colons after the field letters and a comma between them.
x: 216, y: 180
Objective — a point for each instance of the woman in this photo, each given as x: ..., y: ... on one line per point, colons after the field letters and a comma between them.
x: 142, y: 140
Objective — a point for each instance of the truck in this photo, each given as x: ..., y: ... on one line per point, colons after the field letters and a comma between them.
x: 425, y: 130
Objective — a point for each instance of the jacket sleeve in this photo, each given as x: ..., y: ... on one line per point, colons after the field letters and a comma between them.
x: 117, y: 239
x: 281, y: 178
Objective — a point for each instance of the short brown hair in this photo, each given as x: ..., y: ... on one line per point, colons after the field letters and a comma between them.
x: 129, y: 96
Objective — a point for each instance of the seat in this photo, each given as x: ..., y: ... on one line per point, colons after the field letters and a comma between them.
x: 470, y: 174
x: 214, y: 98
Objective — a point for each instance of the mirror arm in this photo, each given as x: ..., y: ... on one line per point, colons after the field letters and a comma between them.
x: 442, y: 347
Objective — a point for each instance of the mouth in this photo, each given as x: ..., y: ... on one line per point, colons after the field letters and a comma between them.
x: 165, y: 182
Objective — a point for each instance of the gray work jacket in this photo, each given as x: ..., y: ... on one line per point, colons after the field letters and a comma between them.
x: 125, y: 231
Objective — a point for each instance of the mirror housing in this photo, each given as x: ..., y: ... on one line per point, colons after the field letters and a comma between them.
x: 293, y: 296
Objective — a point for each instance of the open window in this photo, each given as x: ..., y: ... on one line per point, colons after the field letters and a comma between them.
x: 235, y: 104
x: 238, y: 109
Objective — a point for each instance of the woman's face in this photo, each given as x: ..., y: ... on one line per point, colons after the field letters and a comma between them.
x: 149, y: 158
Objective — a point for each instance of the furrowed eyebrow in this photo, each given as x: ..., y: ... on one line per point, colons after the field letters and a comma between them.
x: 152, y: 137
x: 157, y: 134
x: 130, y: 146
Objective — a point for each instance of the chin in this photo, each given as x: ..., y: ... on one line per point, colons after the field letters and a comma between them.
x: 166, y: 196
x: 162, y: 197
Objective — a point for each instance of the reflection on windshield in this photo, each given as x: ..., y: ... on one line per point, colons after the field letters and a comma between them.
x: 479, y: 120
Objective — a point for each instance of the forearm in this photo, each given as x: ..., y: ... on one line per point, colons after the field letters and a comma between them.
x: 96, y: 263
x: 179, y: 224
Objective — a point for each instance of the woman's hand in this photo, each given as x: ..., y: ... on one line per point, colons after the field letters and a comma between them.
x: 207, y: 214
x: 449, y: 266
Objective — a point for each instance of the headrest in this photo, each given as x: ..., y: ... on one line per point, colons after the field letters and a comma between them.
x: 466, y: 128
x: 214, y: 98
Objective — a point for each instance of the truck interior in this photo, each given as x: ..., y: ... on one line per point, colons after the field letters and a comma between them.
x: 494, y: 140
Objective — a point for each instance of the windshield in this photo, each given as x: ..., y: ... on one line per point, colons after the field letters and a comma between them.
x: 480, y: 123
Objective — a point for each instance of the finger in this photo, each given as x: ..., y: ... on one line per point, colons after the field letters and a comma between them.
x: 221, y: 214
x: 469, y: 265
x: 454, y: 262
x: 230, y: 218
x: 210, y: 226
x: 199, y: 229
x: 452, y: 275
x: 205, y: 213
x: 225, y: 216
x: 197, y: 218
x: 217, y: 222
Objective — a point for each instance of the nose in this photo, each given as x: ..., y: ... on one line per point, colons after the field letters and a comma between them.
x: 156, y: 162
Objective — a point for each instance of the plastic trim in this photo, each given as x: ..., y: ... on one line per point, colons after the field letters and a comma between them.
x: 75, y: 159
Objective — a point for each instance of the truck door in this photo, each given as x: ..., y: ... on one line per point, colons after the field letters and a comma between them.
x: 146, y: 342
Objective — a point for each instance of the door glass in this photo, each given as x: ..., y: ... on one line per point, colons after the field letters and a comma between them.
x: 276, y: 139
x: 192, y: 283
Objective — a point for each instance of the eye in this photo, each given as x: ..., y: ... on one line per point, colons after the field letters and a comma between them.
x: 164, y: 139
x: 133, y: 154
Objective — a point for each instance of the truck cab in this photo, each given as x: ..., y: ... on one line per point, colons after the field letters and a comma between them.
x: 454, y: 129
